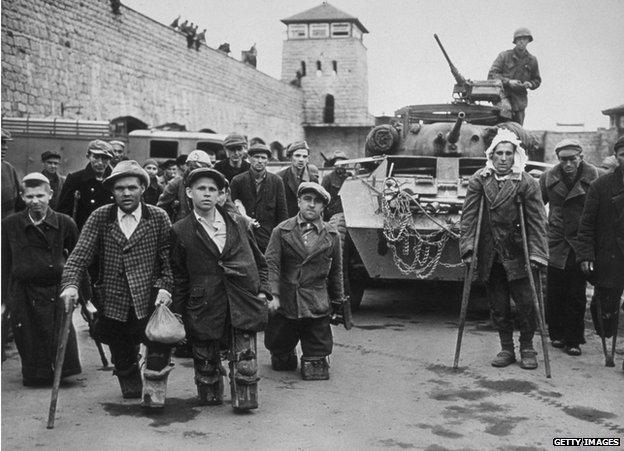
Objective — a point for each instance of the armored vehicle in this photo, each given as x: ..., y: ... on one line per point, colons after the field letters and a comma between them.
x: 403, y: 204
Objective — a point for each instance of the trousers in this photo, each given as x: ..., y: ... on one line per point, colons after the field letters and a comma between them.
x: 282, y: 335
x: 565, y: 304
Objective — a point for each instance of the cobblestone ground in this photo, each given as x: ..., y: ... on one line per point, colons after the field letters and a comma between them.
x: 391, y: 387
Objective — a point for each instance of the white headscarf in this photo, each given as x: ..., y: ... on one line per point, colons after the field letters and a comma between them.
x: 520, y: 156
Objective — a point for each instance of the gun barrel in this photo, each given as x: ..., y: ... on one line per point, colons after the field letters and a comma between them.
x: 458, y: 77
x: 453, y: 135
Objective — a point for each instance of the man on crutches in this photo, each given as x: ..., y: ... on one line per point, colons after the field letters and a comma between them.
x: 500, y: 256
x: 601, y: 249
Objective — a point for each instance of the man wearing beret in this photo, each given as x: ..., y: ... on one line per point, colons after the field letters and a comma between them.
x: 601, y: 241
x: 305, y: 271
x: 565, y: 187
x: 83, y: 191
x: 299, y: 171
x: 51, y: 160
x: 130, y: 240
x: 35, y: 243
x: 261, y: 193
x: 221, y: 289
x: 235, y: 163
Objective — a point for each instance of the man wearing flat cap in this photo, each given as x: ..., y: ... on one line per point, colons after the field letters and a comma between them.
x: 35, y: 243
x: 221, y: 289
x: 300, y: 171
x: 169, y: 172
x: 83, y: 191
x: 261, y: 193
x: 565, y: 188
x: 305, y: 272
x: 119, y: 152
x: 235, y: 163
x: 601, y: 241
x: 51, y: 161
x: 130, y: 239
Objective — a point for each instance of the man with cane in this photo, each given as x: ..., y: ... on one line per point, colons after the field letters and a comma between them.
x: 601, y: 248
x: 501, y: 261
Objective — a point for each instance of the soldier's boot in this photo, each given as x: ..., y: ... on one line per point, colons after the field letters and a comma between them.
x: 130, y: 381
x: 244, y: 380
x: 284, y: 362
x: 506, y: 356
x: 209, y: 380
x: 314, y: 368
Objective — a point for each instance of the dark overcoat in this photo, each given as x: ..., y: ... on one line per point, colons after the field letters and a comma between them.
x: 267, y: 205
x: 601, y: 232
x: 92, y: 194
x: 306, y: 281
x: 291, y: 185
x: 209, y: 284
x: 131, y: 271
x: 566, y: 207
x: 501, y: 236
x: 230, y: 171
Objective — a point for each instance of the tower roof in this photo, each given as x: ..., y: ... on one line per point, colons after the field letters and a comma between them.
x: 324, y: 13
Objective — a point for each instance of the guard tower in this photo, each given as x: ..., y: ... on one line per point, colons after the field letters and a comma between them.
x: 325, y: 55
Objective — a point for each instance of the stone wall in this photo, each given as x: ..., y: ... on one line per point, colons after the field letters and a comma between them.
x: 597, y: 145
x: 77, y: 52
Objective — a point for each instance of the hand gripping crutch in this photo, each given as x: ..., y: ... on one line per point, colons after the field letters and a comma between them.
x: 537, y: 300
x: 468, y: 276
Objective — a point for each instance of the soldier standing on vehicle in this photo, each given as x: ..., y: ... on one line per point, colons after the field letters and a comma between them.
x: 565, y: 187
x: 83, y: 191
x: 131, y: 242
x: 235, y: 163
x: 298, y: 172
x: 221, y: 289
x: 51, y: 160
x: 305, y: 271
x: 519, y: 71
x: 261, y: 193
x: 501, y: 261
x: 601, y: 242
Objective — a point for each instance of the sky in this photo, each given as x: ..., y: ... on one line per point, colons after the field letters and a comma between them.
x: 579, y: 46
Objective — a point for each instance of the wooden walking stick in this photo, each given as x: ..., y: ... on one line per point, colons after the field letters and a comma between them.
x: 58, y: 366
x: 468, y: 276
x: 537, y: 300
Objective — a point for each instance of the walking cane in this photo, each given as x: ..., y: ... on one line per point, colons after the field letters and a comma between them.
x: 609, y: 362
x: 537, y: 300
x: 468, y: 276
x: 58, y: 366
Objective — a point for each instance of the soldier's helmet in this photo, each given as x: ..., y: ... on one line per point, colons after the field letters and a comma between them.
x: 522, y: 33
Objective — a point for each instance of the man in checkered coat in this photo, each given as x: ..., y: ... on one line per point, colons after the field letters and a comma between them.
x: 130, y: 240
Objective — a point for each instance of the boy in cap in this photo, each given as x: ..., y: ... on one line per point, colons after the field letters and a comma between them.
x: 35, y: 243
x: 131, y: 243
x: 261, y: 193
x: 305, y: 271
x: 169, y: 172
x: 235, y: 163
x: 565, y: 188
x: 299, y: 171
x: 51, y: 160
x: 221, y: 289
x: 83, y: 191
x: 601, y: 243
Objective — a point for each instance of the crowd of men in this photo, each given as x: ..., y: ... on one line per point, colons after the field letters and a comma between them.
x: 251, y: 251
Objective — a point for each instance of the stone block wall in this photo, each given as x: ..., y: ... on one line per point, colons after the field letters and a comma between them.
x: 77, y: 52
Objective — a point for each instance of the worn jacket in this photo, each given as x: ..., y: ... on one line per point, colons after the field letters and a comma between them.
x: 210, y: 284
x: 174, y: 200
x: 230, y: 171
x: 500, y: 235
x: 332, y: 182
x: 131, y: 271
x: 56, y: 183
x: 10, y: 189
x: 291, y: 185
x: 92, y: 194
x: 267, y: 205
x: 566, y: 207
x: 305, y: 280
x: 510, y: 65
x: 601, y: 232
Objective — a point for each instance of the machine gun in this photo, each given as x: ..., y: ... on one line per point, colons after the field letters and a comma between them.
x: 469, y: 91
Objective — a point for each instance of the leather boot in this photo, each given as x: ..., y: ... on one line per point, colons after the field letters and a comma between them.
x: 528, y: 359
x: 504, y: 358
x: 314, y: 368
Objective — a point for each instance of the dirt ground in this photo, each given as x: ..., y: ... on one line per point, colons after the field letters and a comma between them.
x: 391, y: 387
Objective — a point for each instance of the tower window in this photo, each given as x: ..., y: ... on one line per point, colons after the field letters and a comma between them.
x: 297, y: 31
x: 319, y: 71
x: 335, y: 66
x: 303, y: 69
x: 328, y: 111
x: 340, y: 30
x: 319, y: 30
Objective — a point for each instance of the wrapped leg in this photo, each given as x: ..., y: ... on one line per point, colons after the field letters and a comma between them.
x: 244, y: 371
x: 155, y: 371
x: 125, y: 359
x: 209, y: 372
x: 314, y: 368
